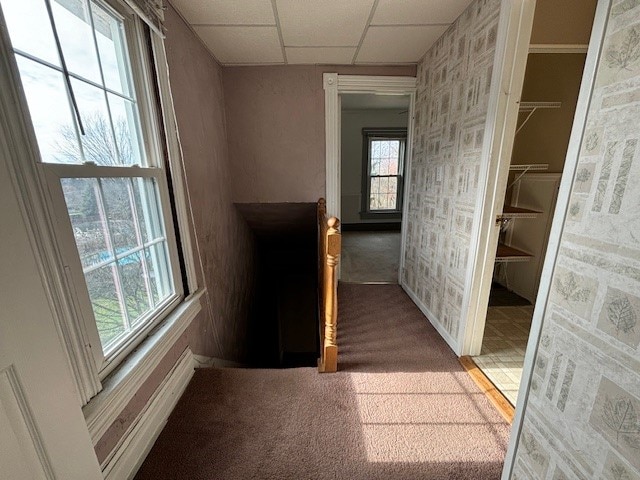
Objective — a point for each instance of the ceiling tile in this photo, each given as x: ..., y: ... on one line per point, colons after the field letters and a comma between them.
x: 225, y: 12
x: 412, y: 12
x: 242, y: 44
x: 322, y: 55
x: 398, y: 44
x: 323, y: 22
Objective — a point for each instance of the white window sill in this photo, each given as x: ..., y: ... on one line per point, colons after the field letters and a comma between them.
x: 123, y: 383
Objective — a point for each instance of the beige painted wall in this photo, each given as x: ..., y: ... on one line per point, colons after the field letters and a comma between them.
x: 545, y: 137
x: 275, y: 119
x: 581, y: 416
x: 563, y: 21
x: 353, y: 121
x: 226, y: 242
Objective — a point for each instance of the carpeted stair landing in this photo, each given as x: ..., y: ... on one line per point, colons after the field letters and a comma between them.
x: 400, y: 408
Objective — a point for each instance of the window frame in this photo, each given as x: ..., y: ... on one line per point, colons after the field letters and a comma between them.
x: 368, y: 135
x: 141, y: 53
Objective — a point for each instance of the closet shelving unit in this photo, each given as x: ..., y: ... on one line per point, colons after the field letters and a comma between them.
x: 507, y: 253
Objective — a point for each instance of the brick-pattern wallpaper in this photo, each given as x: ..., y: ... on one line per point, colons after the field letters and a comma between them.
x: 582, y: 419
x: 454, y: 80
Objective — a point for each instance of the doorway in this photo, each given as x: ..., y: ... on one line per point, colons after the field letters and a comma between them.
x: 365, y: 202
x: 373, y: 156
x: 547, y: 108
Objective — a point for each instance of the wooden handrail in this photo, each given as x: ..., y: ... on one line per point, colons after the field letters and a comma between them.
x: 329, y: 245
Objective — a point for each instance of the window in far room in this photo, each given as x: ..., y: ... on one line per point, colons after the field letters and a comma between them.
x: 384, y: 152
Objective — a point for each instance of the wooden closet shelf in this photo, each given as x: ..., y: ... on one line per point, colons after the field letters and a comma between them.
x: 509, y: 254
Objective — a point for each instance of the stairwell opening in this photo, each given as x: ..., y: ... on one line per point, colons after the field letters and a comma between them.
x: 283, y: 325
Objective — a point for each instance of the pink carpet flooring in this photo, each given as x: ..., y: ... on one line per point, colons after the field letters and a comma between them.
x: 401, y: 407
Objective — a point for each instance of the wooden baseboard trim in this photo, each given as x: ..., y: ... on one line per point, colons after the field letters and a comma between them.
x: 494, y: 395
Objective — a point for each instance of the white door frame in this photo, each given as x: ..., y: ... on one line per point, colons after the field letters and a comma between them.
x: 562, y: 206
x: 334, y: 85
x: 514, y: 33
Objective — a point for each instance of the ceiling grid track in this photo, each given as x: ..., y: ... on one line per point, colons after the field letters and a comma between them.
x: 395, y: 25
x: 275, y: 14
x: 320, y: 32
x: 364, y: 33
x: 233, y: 25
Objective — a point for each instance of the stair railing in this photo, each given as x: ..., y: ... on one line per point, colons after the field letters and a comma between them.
x: 329, y: 245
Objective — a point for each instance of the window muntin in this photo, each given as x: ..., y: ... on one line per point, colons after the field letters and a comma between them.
x: 383, y: 162
x: 117, y: 203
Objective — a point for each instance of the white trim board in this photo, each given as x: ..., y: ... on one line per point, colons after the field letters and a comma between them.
x: 182, y: 196
x: 560, y: 215
x: 136, y: 443
x: 514, y: 31
x: 334, y: 85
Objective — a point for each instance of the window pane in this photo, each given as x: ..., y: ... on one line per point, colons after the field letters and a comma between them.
x: 118, y: 202
x: 126, y: 127
x: 375, y: 185
x: 394, y: 149
x: 375, y: 149
x: 147, y: 209
x: 50, y: 112
x: 384, y: 185
x: 393, y: 166
x: 135, y: 286
x: 87, y: 218
x: 375, y: 166
x: 107, y: 305
x: 76, y: 38
x: 157, y: 262
x: 374, y: 202
x: 393, y: 186
x: 97, y: 141
x: 30, y: 28
x: 111, y: 47
x: 384, y: 166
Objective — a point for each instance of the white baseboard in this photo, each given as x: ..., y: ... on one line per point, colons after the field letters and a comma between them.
x: 200, y: 361
x: 137, y: 442
x: 432, y: 319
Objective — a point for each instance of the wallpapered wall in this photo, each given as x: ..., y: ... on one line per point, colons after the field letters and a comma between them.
x: 582, y: 419
x: 454, y: 80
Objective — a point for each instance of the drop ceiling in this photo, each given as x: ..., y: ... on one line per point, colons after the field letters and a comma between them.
x: 365, y: 101
x: 342, y: 32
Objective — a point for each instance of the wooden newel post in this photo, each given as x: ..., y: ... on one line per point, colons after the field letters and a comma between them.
x: 333, y: 241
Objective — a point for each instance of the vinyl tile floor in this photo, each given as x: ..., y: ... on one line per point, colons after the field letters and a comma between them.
x: 505, y: 340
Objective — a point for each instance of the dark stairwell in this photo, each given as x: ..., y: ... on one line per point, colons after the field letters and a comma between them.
x: 283, y: 326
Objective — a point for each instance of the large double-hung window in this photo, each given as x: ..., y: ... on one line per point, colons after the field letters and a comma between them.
x: 85, y: 72
x: 383, y: 164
